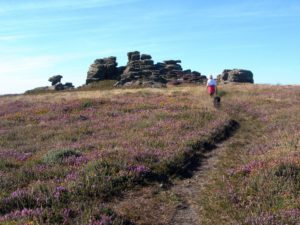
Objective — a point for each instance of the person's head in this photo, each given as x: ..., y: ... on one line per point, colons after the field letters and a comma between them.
x: 210, y: 76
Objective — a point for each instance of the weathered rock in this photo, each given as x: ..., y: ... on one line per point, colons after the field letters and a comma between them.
x: 133, y: 56
x: 55, y: 79
x: 236, y: 75
x: 160, y: 65
x: 174, y: 62
x: 173, y: 67
x: 68, y: 86
x: 145, y: 56
x: 58, y: 87
x: 147, y: 73
x: 141, y: 70
x: 187, y: 71
x: 103, y: 69
x: 120, y: 70
x: 147, y: 62
x: 196, y: 73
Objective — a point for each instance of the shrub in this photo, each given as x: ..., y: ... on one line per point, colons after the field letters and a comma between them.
x: 18, y: 200
x: 103, y: 179
x: 57, y: 156
x: 6, y: 165
x: 288, y: 171
x: 86, y: 104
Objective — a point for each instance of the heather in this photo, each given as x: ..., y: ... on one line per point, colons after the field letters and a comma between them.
x: 63, y: 157
x: 258, y: 181
x: 110, y: 156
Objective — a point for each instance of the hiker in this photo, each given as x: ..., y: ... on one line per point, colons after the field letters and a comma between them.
x: 211, y: 86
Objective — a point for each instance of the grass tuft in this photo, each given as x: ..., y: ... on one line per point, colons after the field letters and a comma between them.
x: 57, y: 156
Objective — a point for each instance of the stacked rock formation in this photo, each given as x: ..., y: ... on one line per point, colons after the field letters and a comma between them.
x: 104, y: 69
x: 55, y: 79
x: 170, y: 69
x: 193, y: 77
x: 141, y: 71
x: 236, y: 75
x: 57, y: 85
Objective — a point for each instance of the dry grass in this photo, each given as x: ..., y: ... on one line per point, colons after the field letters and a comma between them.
x: 257, y: 180
x: 64, y: 157
x: 60, y: 152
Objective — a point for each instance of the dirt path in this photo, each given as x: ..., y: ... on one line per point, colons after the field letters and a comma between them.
x: 180, y: 202
x: 189, y: 190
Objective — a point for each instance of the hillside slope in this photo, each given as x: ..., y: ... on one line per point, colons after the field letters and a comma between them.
x: 109, y: 157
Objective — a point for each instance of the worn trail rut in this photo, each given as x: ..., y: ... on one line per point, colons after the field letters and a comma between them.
x: 189, y: 190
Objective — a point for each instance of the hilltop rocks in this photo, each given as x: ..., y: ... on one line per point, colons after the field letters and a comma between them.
x: 142, y: 71
x: 55, y: 79
x: 104, y: 69
x: 172, y: 62
x: 194, y: 77
x: 236, y: 75
x: 145, y: 56
x: 133, y: 56
x: 56, y: 85
x: 171, y: 69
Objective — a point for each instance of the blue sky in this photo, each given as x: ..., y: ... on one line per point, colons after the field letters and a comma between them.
x: 39, y: 39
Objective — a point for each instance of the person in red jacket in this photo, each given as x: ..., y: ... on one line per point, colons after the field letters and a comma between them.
x: 211, y: 86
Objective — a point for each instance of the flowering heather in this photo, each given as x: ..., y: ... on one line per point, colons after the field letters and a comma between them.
x: 71, y: 152
x: 258, y: 178
x: 73, y: 176
x: 14, y: 154
x: 283, y: 217
x: 140, y: 169
x: 247, y: 168
x: 94, y: 146
x: 105, y: 220
x: 59, y: 191
x: 75, y: 161
x: 19, y: 193
x: 18, y: 214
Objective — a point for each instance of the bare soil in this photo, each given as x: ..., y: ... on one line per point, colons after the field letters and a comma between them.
x: 188, y: 190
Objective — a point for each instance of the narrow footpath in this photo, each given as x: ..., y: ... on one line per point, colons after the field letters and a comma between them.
x: 188, y: 190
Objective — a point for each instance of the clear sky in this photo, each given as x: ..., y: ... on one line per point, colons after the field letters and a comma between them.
x: 41, y: 38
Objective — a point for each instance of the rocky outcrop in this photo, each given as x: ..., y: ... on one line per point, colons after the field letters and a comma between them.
x: 55, y: 79
x: 142, y: 71
x: 104, y: 69
x: 236, y: 75
x: 56, y: 86
x: 194, y: 77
